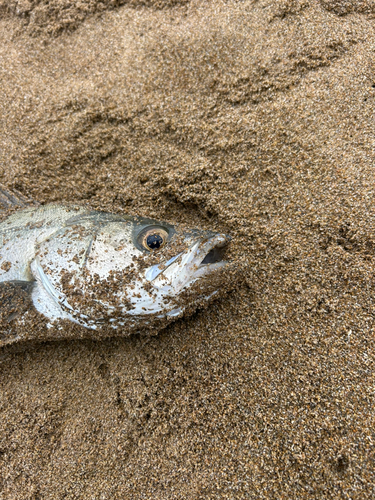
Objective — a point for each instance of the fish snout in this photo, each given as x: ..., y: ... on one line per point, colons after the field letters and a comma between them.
x: 213, y: 249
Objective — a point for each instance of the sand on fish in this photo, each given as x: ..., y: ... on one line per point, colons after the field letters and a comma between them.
x: 254, y: 118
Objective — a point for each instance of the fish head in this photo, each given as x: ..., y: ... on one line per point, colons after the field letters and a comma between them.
x: 183, y: 258
x: 103, y: 269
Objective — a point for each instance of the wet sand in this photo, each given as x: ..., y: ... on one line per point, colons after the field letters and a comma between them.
x: 253, y: 118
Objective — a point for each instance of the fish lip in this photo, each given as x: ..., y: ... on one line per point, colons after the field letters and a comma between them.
x: 197, y: 261
x: 209, y: 255
x: 213, y: 250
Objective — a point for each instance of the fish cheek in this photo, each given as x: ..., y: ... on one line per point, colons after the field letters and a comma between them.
x: 111, y: 251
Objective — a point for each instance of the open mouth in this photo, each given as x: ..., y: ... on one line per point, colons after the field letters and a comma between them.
x: 214, y: 255
x: 217, y: 252
x: 203, y: 257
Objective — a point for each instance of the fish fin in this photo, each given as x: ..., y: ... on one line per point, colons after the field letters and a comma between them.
x: 10, y: 199
x: 15, y: 299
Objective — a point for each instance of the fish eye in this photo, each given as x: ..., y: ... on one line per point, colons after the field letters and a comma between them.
x: 154, y: 239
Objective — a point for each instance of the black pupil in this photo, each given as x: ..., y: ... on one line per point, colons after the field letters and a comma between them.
x: 154, y: 241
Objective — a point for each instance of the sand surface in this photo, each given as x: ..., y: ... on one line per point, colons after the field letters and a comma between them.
x: 249, y: 117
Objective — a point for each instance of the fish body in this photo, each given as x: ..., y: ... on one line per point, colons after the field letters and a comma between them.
x: 99, y: 269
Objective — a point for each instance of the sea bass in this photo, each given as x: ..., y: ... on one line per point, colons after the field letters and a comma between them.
x: 100, y: 270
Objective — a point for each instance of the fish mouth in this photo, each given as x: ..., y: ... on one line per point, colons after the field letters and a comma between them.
x: 202, y: 258
x: 214, y: 255
x: 213, y: 250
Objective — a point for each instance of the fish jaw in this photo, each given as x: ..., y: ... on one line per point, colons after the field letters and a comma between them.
x: 177, y: 274
x: 187, y: 267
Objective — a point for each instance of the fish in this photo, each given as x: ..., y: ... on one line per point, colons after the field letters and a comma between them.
x: 112, y: 274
